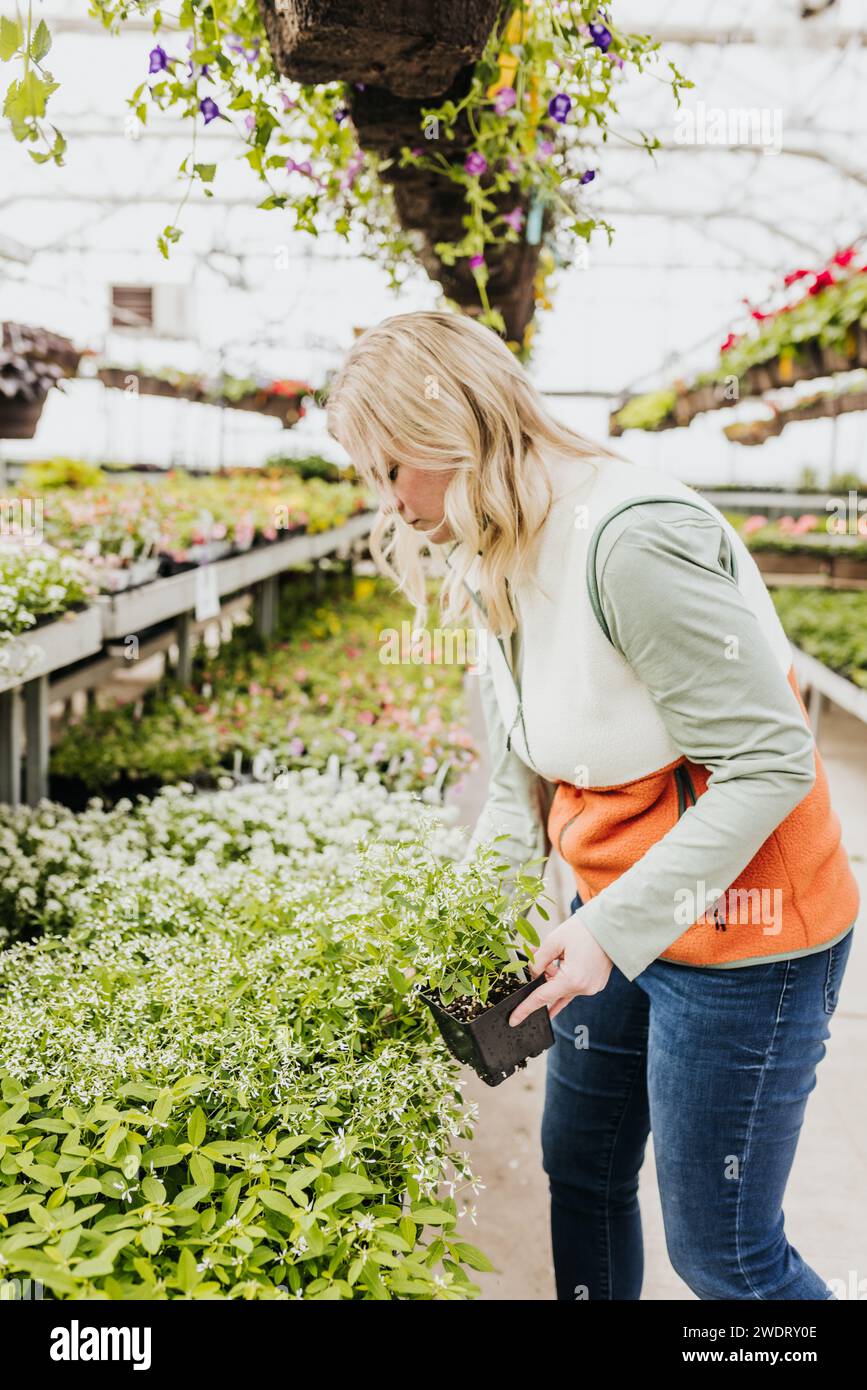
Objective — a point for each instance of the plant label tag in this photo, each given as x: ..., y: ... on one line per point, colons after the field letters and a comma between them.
x: 207, y: 594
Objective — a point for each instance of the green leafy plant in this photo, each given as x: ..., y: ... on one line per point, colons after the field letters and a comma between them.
x: 830, y: 625
x: 315, y: 693
x: 547, y: 76
x: 235, y: 1093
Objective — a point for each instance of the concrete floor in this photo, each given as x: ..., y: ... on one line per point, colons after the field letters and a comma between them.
x: 825, y: 1209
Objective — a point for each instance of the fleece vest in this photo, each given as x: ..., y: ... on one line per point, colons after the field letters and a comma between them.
x: 578, y: 715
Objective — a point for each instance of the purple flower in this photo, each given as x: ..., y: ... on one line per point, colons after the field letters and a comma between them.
x: 235, y: 43
x: 546, y: 147
x: 476, y: 262
x: 158, y: 60
x: 588, y: 176
x: 296, y: 747
x: 209, y: 109
x: 515, y: 219
x: 359, y: 86
x: 600, y: 36
x: 504, y: 100
x: 340, y: 114
x: 250, y: 121
x: 512, y: 164
x: 252, y: 53
x: 417, y: 151
x: 475, y: 163
x: 304, y: 168
x: 287, y: 101
x: 356, y: 162
x: 559, y: 107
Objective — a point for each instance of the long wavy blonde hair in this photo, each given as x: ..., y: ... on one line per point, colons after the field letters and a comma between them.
x: 438, y: 390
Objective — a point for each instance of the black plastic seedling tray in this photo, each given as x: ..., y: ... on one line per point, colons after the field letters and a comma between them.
x: 488, y: 1043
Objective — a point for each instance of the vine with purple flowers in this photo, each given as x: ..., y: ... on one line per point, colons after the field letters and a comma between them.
x: 547, y: 77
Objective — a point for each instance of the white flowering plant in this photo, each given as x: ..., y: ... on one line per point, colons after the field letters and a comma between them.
x: 37, y: 582
x: 219, y: 1083
x: 304, y: 823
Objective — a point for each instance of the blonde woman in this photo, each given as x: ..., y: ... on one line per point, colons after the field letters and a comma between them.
x: 645, y: 722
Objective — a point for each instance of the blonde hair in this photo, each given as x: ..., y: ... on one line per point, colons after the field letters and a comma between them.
x: 440, y: 391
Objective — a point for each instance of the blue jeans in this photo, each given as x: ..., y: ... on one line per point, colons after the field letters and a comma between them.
x: 718, y: 1064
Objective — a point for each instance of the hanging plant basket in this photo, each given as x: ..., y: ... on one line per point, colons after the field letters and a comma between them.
x: 433, y: 208
x: 18, y: 417
x: 488, y: 1043
x: 414, y: 50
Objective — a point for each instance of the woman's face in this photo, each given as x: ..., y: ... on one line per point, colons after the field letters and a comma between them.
x: 419, y: 493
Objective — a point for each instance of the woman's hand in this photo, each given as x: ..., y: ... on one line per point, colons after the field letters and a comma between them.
x: 573, y: 962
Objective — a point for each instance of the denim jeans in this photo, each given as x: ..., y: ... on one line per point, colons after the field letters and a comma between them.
x: 718, y: 1065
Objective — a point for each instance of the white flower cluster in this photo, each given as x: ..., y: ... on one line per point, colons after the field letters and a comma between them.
x: 37, y: 581
x: 52, y: 860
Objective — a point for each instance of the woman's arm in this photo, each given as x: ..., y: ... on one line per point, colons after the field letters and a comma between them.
x: 675, y: 613
x: 513, y: 806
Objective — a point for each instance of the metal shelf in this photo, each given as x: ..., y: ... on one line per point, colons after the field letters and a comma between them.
x: 134, y: 610
x: 821, y: 680
x: 35, y: 655
x: 52, y: 646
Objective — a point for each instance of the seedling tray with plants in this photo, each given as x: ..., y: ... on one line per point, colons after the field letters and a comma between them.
x: 479, y: 978
x: 481, y: 1036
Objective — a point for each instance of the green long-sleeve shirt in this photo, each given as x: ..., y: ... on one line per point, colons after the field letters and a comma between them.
x: 673, y: 611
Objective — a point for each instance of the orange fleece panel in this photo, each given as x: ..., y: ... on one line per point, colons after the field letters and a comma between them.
x: 802, y: 867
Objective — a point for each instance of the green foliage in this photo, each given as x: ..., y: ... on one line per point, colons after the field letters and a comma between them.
x: 37, y: 583
x: 45, y: 474
x: 823, y: 319
x: 311, y: 466
x: 318, y: 691
x: 536, y: 49
x: 221, y: 1084
x: 647, y: 412
x: 829, y: 624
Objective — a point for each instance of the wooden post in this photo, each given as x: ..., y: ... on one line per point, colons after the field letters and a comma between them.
x: 10, y: 748
x: 37, y: 730
x: 183, y: 630
x: 266, y: 601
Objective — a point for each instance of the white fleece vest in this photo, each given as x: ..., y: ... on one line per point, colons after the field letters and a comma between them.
x: 587, y: 718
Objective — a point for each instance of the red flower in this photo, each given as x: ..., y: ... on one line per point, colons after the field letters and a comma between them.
x: 821, y: 282
x: 794, y: 276
x: 730, y: 342
x: 290, y: 388
x: 844, y: 258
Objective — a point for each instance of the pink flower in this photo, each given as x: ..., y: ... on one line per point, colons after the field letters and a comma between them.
x: 754, y: 523
x: 504, y: 100
x: 515, y: 219
x: 475, y: 163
